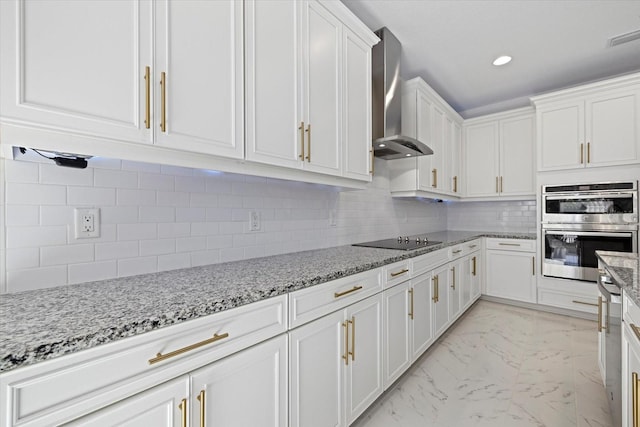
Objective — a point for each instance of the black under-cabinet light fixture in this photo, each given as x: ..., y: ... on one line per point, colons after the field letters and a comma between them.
x: 66, y: 160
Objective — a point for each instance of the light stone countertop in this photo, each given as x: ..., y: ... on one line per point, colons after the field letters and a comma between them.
x: 43, y: 324
x: 625, y: 271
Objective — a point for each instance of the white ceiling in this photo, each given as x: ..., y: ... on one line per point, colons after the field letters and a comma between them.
x: 554, y: 44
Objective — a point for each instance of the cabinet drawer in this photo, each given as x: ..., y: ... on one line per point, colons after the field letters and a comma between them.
x: 309, y: 304
x: 70, y: 386
x: 585, y: 303
x: 472, y: 246
x: 512, y: 244
x: 456, y: 252
x: 397, y: 272
x: 430, y: 261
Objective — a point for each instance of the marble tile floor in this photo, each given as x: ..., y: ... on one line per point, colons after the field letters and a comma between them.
x: 501, y: 366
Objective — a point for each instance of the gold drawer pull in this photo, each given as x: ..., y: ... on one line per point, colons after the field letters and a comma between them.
x: 584, y: 303
x: 458, y: 251
x: 353, y: 338
x: 600, y: 327
x: 147, y: 97
x: 345, y: 356
x: 301, y: 129
x: 160, y: 357
x: 434, y: 174
x: 163, y: 101
x: 474, y: 266
x: 404, y: 270
x: 509, y: 244
x: 588, y: 152
x: 581, y: 153
x: 308, y: 144
x: 473, y: 246
x: 411, y: 303
x: 455, y: 184
x: 183, y: 412
x: 340, y: 294
x: 636, y: 330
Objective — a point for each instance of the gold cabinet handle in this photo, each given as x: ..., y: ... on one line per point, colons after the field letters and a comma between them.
x: 200, y: 398
x: 473, y: 246
x: 301, y: 129
x: 353, y: 339
x: 600, y: 327
x: 636, y: 330
x: 397, y: 273
x: 160, y: 357
x: 457, y: 252
x: 411, y: 303
x: 453, y: 282
x: 434, y: 298
x: 345, y: 356
x: 474, y: 266
x: 584, y: 303
x: 509, y: 244
x: 588, y: 152
x: 341, y: 294
x: 455, y: 184
x: 163, y: 101
x: 501, y: 190
x: 147, y: 97
x: 581, y: 153
x: 437, y: 288
x: 434, y: 172
x: 634, y: 398
x: 308, y: 143
x: 533, y: 266
x: 183, y: 412
x: 497, y: 185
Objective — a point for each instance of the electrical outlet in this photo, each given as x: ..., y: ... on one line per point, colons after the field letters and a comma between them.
x: 87, y: 223
x: 254, y: 221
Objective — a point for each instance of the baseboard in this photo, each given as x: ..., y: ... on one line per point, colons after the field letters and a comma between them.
x: 541, y: 307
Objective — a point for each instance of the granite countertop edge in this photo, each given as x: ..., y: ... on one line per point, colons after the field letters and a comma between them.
x: 44, y: 324
x: 624, y: 269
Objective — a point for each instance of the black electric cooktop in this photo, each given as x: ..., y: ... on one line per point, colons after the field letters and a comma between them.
x: 402, y: 243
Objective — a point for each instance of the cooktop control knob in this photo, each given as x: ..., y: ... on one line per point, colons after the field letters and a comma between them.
x: 406, y: 240
x: 400, y: 239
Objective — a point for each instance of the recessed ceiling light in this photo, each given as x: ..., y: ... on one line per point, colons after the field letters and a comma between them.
x: 408, y: 155
x: 501, y: 60
x: 381, y: 145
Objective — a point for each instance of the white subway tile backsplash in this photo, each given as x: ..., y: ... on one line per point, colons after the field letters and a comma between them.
x: 190, y: 184
x: 191, y: 244
x: 174, y: 229
x: 137, y: 231
x: 119, y: 214
x: 90, y: 272
x: 175, y: 170
x: 53, y: 174
x: 23, y: 172
x: 67, y: 254
x: 231, y: 254
x: 203, y: 200
x: 173, y: 261
x: 205, y: 257
x: 126, y: 197
x: 191, y: 214
x: 205, y: 228
x: 56, y: 215
x: 135, y: 266
x: 157, y: 247
x: 115, y: 178
x: 35, y: 194
x: 36, y: 278
x: 91, y: 196
x: 115, y: 250
x: 172, y: 198
x: 29, y: 237
x: 22, y: 215
x: 19, y: 258
x: 157, y: 214
x: 151, y: 181
x: 141, y: 167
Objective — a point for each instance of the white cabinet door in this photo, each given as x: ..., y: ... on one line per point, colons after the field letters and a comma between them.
x: 163, y: 405
x: 440, y: 298
x: 516, y: 156
x: 199, y: 76
x: 273, y: 82
x: 453, y: 157
x: 364, y: 373
x: 455, y: 288
x: 356, y: 140
x: 481, y: 160
x: 602, y: 336
x: 424, y: 133
x: 465, y: 282
x: 421, y: 325
x: 511, y: 275
x: 561, y: 137
x: 439, y: 147
x: 248, y: 388
x: 322, y: 45
x: 77, y: 66
x: 630, y: 366
x: 476, y: 284
x: 613, y: 134
x: 397, y: 331
x: 317, y: 352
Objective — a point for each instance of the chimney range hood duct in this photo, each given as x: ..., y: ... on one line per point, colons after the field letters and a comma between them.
x: 388, y: 141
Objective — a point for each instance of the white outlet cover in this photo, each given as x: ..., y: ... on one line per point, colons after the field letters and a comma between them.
x: 84, y: 217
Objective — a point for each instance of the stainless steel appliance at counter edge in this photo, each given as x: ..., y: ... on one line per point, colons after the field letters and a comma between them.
x: 388, y: 141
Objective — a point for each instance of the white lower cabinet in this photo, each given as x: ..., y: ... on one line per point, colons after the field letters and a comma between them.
x: 511, y: 269
x: 456, y: 284
x: 630, y: 364
x: 336, y: 365
x: 440, y: 298
x: 216, y: 395
x: 475, y: 261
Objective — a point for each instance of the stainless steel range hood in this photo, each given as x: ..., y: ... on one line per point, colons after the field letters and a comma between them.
x: 388, y: 141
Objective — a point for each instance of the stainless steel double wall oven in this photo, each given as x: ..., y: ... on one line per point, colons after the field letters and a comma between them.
x: 579, y: 219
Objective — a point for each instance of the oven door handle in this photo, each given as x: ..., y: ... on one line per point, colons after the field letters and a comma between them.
x: 591, y: 196
x: 588, y: 233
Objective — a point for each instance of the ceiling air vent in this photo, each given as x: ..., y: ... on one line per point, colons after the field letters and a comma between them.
x: 624, y: 38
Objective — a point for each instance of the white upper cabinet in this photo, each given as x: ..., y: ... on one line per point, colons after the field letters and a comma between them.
x: 198, y: 76
x: 428, y: 118
x: 590, y: 126
x: 498, y: 152
x: 308, y: 88
x: 77, y: 66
